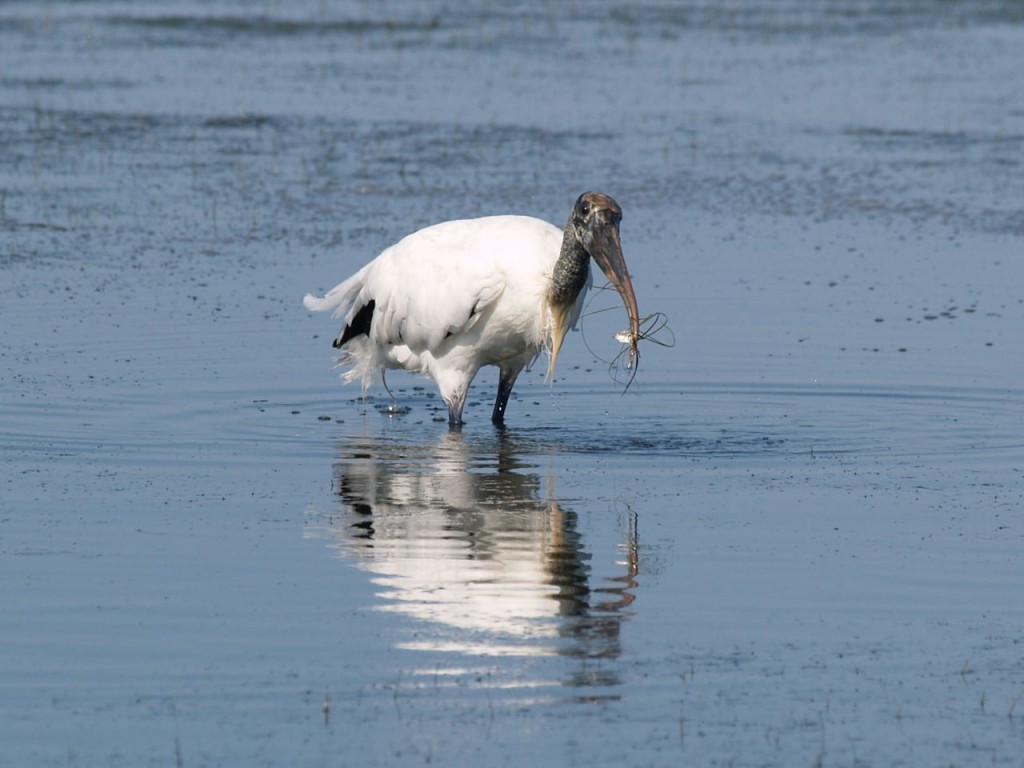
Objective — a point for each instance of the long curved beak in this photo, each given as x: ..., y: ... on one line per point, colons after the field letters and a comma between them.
x: 606, y: 249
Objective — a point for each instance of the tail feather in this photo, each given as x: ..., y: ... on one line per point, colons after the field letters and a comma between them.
x: 359, y: 357
x: 341, y: 298
x: 317, y: 303
x: 360, y: 363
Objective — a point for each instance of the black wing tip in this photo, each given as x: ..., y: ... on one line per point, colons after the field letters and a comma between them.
x: 360, y: 325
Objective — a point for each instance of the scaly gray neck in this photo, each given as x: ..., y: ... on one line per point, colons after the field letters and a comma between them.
x: 571, y: 269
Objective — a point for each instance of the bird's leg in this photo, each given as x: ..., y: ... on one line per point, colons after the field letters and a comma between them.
x: 505, y: 382
x: 384, y: 381
x: 393, y: 407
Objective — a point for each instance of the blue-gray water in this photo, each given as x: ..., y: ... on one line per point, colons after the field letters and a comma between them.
x: 798, y: 539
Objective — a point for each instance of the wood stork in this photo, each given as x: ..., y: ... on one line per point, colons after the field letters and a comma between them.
x: 456, y: 296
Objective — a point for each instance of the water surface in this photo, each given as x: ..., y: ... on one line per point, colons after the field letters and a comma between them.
x: 796, y: 538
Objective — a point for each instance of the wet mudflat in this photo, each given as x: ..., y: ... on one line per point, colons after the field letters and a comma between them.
x: 797, y: 538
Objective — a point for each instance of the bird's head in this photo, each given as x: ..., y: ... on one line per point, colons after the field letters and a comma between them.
x: 595, y: 221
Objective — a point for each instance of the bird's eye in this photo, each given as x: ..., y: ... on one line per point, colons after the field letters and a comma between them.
x: 584, y: 208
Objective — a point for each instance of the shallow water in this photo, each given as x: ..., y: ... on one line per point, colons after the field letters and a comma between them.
x: 795, y: 540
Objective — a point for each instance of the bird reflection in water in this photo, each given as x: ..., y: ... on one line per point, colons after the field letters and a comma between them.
x: 461, y: 538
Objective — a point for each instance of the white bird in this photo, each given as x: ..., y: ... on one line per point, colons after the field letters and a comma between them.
x: 456, y: 296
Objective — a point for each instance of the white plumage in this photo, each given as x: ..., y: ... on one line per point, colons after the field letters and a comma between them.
x: 454, y: 297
